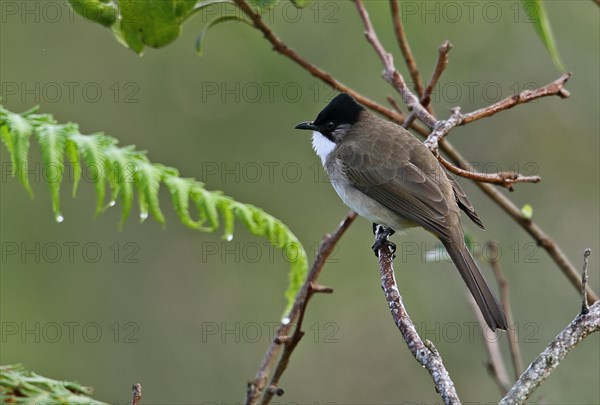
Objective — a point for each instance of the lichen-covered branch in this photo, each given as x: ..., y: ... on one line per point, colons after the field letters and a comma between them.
x: 424, y: 352
x: 580, y: 328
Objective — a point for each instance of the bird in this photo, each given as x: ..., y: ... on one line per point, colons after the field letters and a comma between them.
x: 387, y: 176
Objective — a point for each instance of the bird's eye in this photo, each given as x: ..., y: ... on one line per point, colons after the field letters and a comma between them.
x: 330, y: 126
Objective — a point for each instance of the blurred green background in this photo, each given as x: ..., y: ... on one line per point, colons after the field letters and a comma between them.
x: 188, y: 315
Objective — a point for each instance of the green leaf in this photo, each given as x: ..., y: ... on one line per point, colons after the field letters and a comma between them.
x: 211, y: 23
x: 122, y: 167
x: 224, y: 207
x: 52, y: 139
x: 148, y: 177
x: 180, y: 190
x: 101, y: 11
x: 72, y: 155
x: 536, y: 12
x: 15, y: 133
x: 92, y: 148
x: 301, y: 3
x: 206, y: 203
x: 153, y: 23
x: 527, y: 211
x: 264, y: 5
x: 18, y: 386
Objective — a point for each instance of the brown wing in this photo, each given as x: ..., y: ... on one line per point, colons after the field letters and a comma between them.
x: 402, y: 176
x: 463, y: 202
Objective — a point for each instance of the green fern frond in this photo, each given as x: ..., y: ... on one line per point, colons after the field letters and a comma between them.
x: 18, y: 386
x: 16, y: 131
x: 124, y: 170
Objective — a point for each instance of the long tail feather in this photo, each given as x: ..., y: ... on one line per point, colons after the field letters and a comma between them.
x: 491, y: 310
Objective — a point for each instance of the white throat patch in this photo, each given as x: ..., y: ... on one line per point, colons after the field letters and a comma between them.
x: 322, y: 146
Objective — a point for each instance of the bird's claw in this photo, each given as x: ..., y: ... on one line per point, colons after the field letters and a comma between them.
x: 381, y: 238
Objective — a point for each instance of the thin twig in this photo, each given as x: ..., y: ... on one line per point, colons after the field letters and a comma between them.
x: 405, y: 48
x: 534, y: 230
x: 556, y: 88
x: 548, y: 244
x: 440, y: 66
x: 582, y: 326
x: 441, y: 129
x: 136, y: 390
x: 390, y: 74
x: 504, y: 179
x: 280, y: 47
x: 555, y: 252
x: 424, y: 353
x: 283, y: 338
x: 495, y: 365
x: 290, y: 343
x: 394, y: 105
x: 513, y: 345
x: 584, y: 279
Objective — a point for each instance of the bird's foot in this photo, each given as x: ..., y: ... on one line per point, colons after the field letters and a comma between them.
x: 381, y: 238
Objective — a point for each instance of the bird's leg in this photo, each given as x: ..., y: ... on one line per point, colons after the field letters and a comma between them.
x: 389, y: 230
x: 382, y: 234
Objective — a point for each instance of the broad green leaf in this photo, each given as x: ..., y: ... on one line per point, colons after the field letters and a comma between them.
x: 536, y: 12
x: 101, y: 11
x: 153, y: 23
x: 211, y: 23
x: 15, y: 133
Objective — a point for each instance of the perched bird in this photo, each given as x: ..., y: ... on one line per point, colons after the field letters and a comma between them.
x: 390, y: 178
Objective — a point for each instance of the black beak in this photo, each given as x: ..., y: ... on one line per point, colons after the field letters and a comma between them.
x: 306, y: 125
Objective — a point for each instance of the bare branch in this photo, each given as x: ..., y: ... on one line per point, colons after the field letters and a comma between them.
x: 534, y: 230
x: 582, y: 326
x: 504, y: 179
x: 441, y: 129
x: 556, y: 88
x: 390, y: 74
x: 412, y: 102
x: 405, y: 48
x: 513, y: 345
x: 280, y: 47
x: 257, y: 386
x: 394, y: 105
x: 424, y: 353
x: 440, y: 66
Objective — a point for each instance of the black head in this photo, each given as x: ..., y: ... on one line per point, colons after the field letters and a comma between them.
x: 338, y: 115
